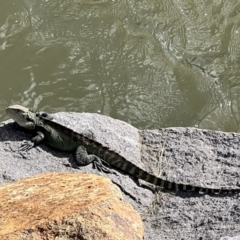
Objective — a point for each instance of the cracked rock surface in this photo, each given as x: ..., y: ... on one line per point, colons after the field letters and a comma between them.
x: 183, y: 155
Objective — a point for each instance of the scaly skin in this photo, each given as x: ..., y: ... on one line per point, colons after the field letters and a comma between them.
x: 88, y: 150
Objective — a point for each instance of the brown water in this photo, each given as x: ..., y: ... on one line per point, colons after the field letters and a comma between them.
x: 150, y: 63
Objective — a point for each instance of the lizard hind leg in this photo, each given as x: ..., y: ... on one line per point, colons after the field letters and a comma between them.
x: 83, y: 158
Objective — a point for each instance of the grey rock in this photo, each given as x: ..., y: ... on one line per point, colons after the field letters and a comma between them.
x: 184, y: 155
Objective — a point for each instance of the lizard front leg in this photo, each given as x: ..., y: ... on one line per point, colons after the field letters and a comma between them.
x: 83, y: 159
x: 26, y: 146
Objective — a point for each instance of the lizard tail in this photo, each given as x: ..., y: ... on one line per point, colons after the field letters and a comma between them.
x: 141, y: 174
x: 123, y: 164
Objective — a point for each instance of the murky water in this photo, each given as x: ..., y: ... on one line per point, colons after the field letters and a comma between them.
x: 150, y: 63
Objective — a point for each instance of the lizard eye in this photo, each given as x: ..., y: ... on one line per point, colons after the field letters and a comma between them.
x: 44, y: 114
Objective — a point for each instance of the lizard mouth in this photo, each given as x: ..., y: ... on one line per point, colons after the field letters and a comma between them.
x: 29, y: 126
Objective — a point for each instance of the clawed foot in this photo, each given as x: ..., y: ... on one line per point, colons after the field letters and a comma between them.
x: 26, y: 146
x: 98, y: 164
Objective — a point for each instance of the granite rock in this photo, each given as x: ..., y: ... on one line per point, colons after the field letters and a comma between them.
x: 184, y: 155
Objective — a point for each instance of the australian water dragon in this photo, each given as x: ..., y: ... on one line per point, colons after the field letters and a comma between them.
x: 88, y: 150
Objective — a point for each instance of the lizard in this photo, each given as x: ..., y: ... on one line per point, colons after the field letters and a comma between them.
x: 88, y: 150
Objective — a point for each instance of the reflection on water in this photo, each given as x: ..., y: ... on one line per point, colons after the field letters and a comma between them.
x: 150, y: 63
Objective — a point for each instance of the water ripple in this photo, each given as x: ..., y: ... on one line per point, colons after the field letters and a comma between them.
x: 150, y: 63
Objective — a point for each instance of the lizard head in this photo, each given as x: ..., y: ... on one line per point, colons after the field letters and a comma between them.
x: 23, y: 116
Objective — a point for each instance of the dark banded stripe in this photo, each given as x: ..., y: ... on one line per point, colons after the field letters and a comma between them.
x: 152, y: 179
